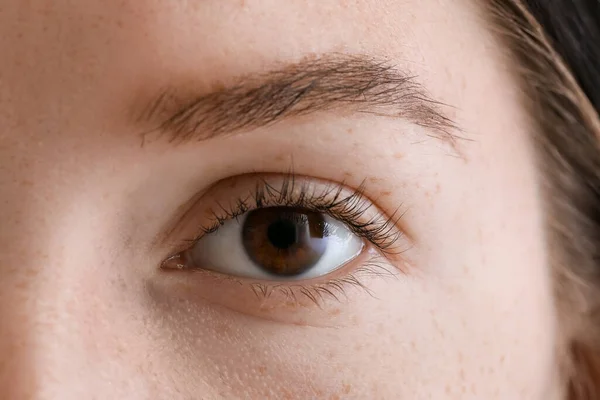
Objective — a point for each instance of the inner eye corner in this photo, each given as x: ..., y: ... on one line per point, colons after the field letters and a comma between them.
x: 172, y: 262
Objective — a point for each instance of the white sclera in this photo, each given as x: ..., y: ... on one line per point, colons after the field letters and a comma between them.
x: 223, y: 251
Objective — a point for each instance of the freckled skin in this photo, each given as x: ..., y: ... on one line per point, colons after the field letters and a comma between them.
x: 85, y: 310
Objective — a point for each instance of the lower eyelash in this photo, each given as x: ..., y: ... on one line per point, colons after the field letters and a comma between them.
x: 334, y: 289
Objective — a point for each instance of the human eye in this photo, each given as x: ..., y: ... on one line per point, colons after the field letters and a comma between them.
x: 276, y: 243
x: 291, y: 235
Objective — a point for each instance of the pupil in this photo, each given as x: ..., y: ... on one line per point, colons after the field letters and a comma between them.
x: 282, y: 234
x: 285, y: 241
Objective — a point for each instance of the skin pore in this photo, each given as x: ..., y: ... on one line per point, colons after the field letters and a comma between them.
x: 94, y: 199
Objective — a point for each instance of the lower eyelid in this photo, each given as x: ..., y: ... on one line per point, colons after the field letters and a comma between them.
x: 288, y: 300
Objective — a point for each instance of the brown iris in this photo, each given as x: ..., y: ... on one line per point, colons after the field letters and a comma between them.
x: 284, y: 241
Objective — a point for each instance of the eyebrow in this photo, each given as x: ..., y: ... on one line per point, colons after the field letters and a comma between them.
x: 335, y: 83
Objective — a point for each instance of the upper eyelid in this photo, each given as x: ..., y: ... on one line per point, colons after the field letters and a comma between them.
x: 388, y: 223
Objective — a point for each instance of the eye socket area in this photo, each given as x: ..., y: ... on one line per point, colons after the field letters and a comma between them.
x: 361, y: 244
x: 276, y: 244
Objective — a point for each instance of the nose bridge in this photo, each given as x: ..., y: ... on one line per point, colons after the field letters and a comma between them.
x: 41, y: 340
x: 17, y: 358
x: 33, y: 329
x: 68, y: 319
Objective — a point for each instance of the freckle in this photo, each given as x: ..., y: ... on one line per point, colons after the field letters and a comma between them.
x: 438, y: 188
x: 279, y: 158
x: 347, y: 388
x: 32, y: 272
x: 22, y: 285
x: 349, y: 131
x: 386, y: 193
x: 502, y: 359
x: 261, y: 369
x: 375, y: 180
x: 462, y: 374
x: 290, y: 305
x: 399, y: 156
x: 413, y: 345
x: 448, y: 389
x: 287, y: 395
x: 358, y: 347
x: 217, y: 86
x: 335, y: 312
x: 334, y: 397
x: 348, y: 175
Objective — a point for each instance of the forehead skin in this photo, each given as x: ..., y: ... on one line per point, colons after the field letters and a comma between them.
x: 85, y: 313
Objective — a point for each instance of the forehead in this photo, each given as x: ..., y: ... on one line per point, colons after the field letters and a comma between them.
x: 150, y: 42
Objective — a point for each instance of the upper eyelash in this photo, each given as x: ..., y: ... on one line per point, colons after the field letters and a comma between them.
x: 380, y: 231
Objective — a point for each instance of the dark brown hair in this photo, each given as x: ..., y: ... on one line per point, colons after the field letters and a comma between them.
x: 556, y: 44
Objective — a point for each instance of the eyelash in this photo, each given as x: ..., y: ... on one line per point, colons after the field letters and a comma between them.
x: 351, y: 209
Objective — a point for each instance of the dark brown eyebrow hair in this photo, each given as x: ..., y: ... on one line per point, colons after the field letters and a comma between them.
x: 334, y: 83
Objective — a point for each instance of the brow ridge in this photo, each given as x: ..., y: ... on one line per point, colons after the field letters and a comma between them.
x: 333, y: 83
